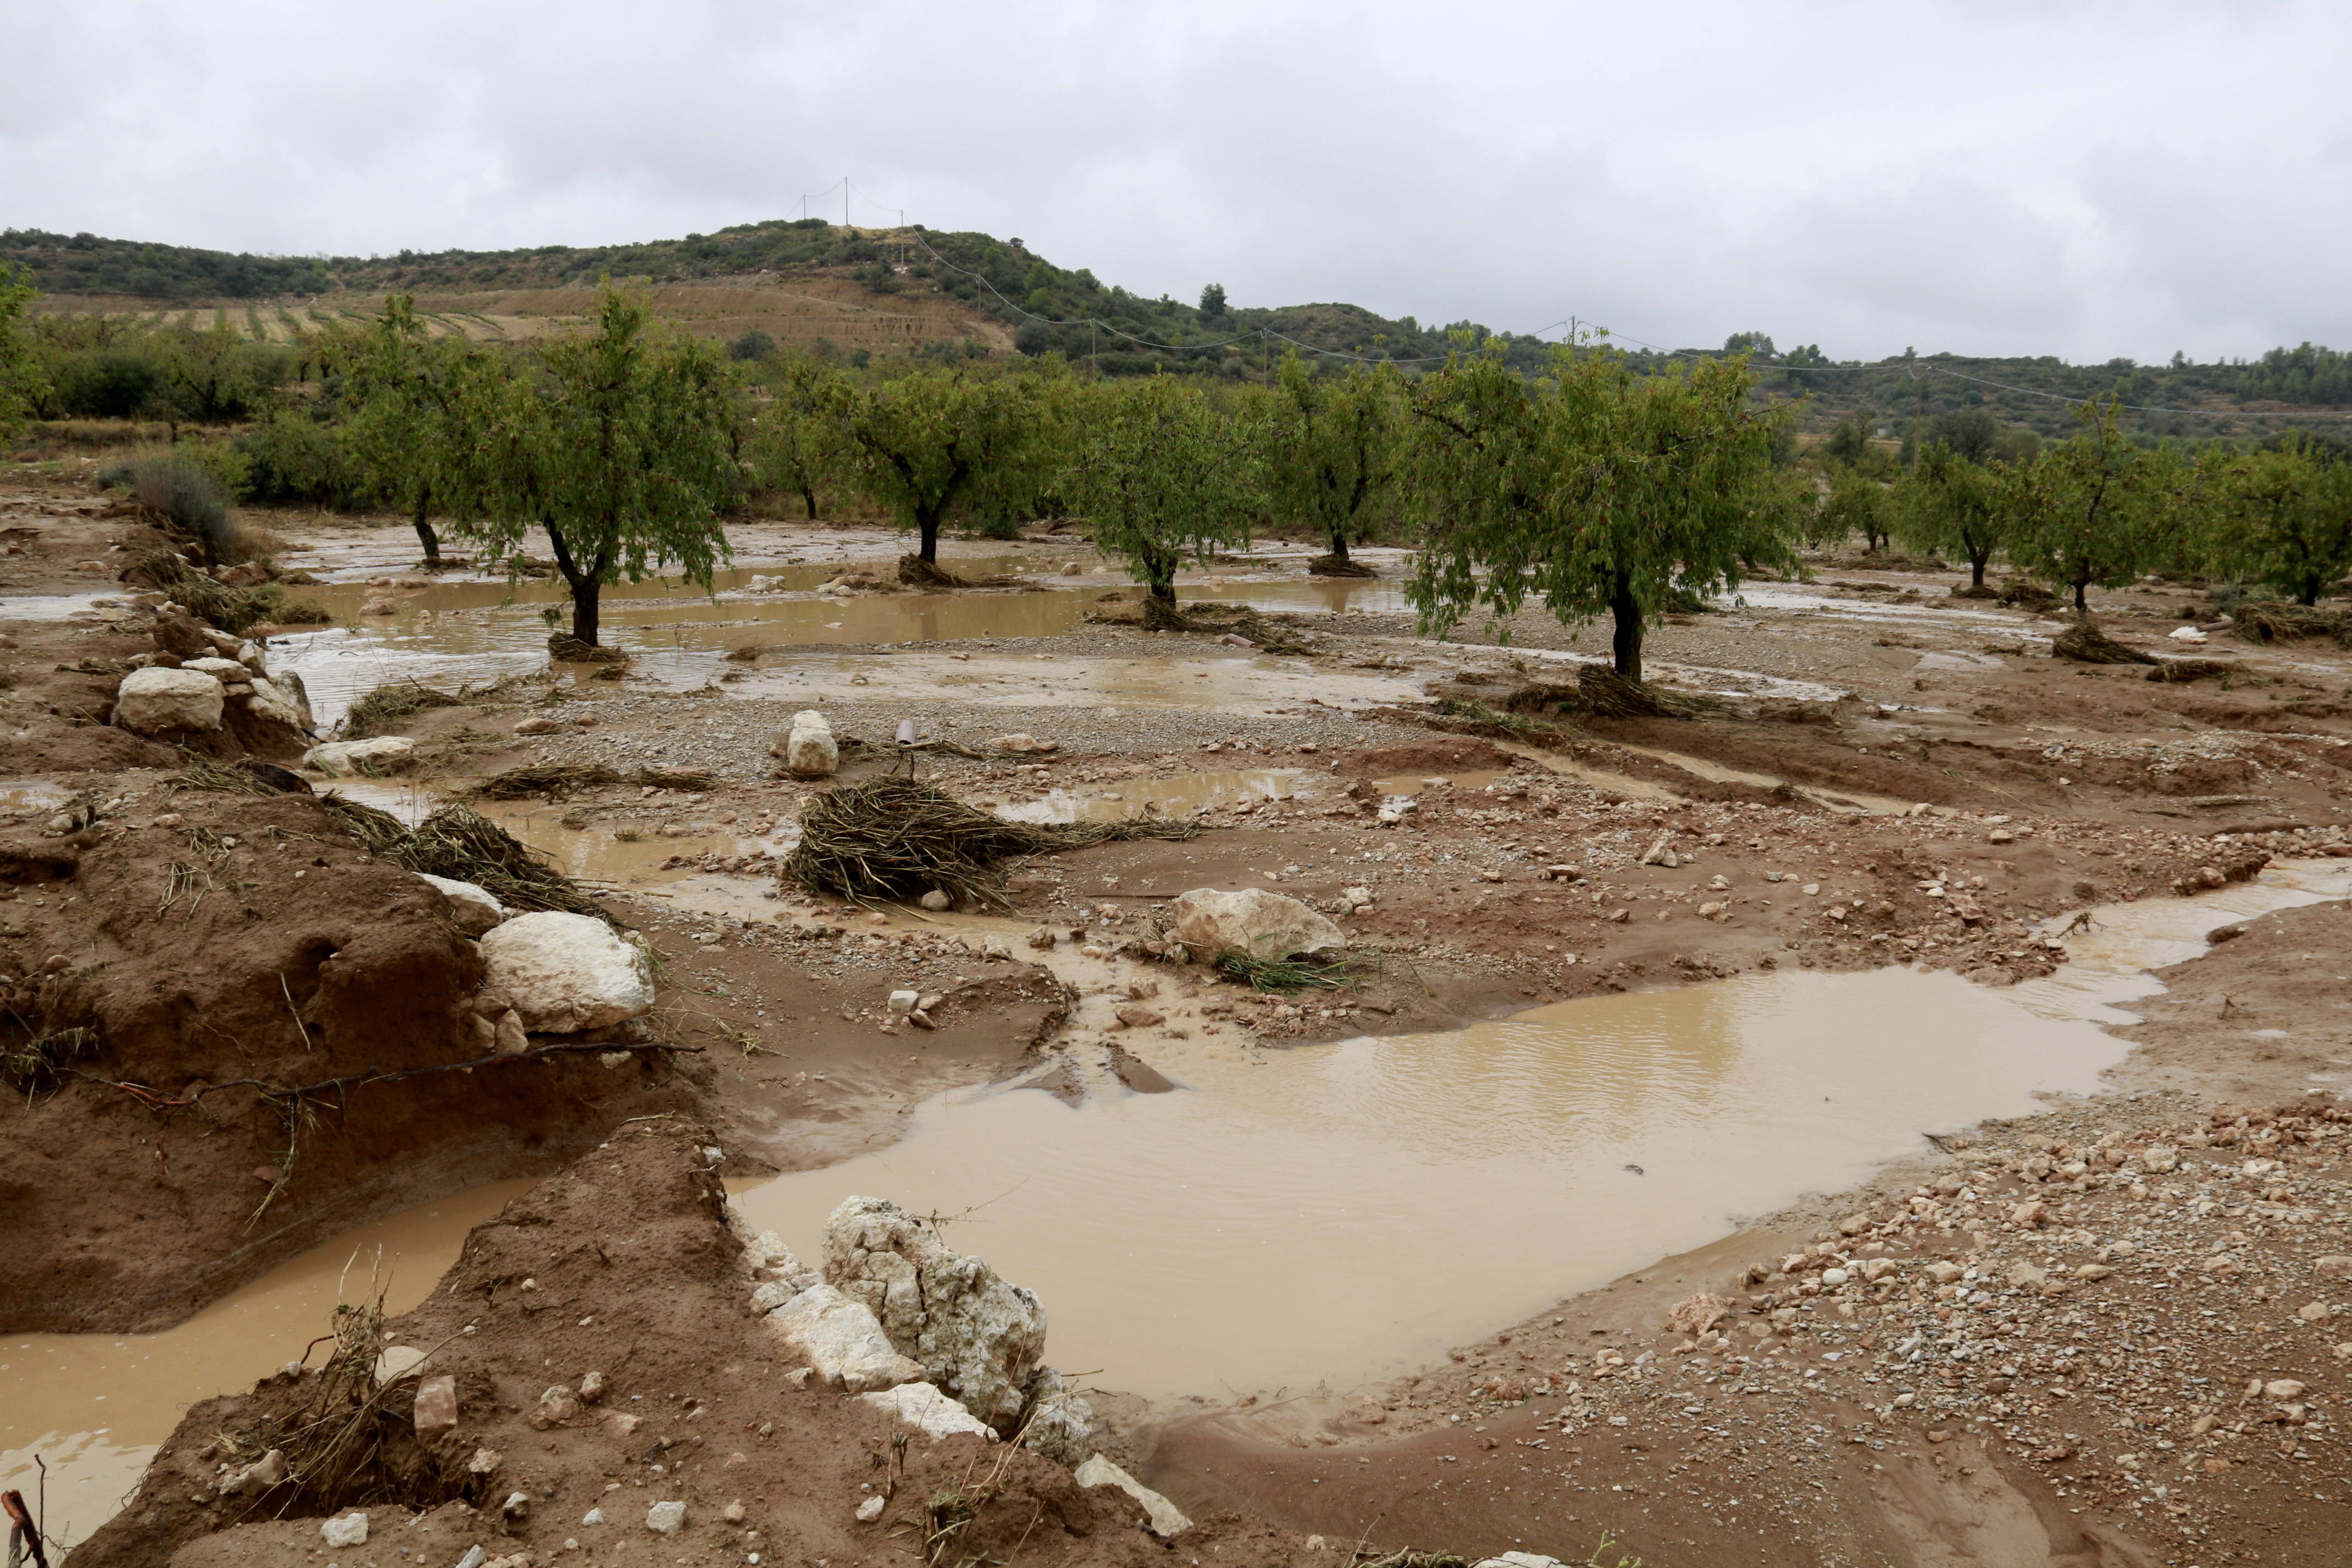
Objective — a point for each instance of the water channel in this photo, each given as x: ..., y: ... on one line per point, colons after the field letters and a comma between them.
x: 1319, y: 1216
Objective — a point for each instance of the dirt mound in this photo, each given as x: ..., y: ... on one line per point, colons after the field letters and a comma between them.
x: 1434, y: 756
x: 231, y: 1032
x: 625, y: 1266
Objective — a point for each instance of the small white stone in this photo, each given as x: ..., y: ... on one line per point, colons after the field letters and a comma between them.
x: 869, y: 1510
x: 345, y: 1529
x: 665, y: 1518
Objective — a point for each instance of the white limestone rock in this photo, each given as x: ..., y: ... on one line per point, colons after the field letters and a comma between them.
x: 1166, y: 1519
x: 345, y: 1529
x: 476, y: 910
x: 1263, y: 924
x: 978, y: 1336
x: 810, y: 750
x: 1057, y: 1421
x: 159, y: 702
x: 842, y: 1341
x: 566, y: 973
x: 270, y: 701
x: 346, y: 759
x: 920, y: 1404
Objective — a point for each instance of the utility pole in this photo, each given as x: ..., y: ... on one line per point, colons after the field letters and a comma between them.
x: 845, y: 201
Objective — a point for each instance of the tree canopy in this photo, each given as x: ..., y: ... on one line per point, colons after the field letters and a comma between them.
x: 1329, y: 445
x: 932, y: 440
x: 1163, y: 476
x: 1596, y: 491
x: 2283, y: 517
x: 2095, y: 510
x: 616, y: 442
x: 20, y: 374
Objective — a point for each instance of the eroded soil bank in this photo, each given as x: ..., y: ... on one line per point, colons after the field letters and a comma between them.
x: 1543, y: 859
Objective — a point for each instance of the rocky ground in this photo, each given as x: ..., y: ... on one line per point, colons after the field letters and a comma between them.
x: 2014, y: 1367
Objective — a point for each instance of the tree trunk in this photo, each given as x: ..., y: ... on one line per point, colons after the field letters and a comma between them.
x: 1977, y: 559
x: 1625, y: 636
x: 2082, y: 603
x: 586, y: 586
x: 926, y: 522
x: 808, y: 500
x: 1165, y: 592
x: 2309, y: 596
x: 424, y: 535
x: 1338, y: 545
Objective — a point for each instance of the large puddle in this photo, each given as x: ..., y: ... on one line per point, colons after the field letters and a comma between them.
x: 1320, y: 1217
x: 95, y: 1407
x: 1333, y: 1214
x: 463, y: 629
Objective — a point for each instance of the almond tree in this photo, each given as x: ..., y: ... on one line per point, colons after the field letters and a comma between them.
x: 21, y: 380
x: 2095, y: 510
x: 1596, y: 490
x: 614, y: 442
x: 1950, y: 502
x: 404, y: 392
x: 1162, y: 477
x: 2283, y: 518
x: 932, y: 440
x: 1330, y: 449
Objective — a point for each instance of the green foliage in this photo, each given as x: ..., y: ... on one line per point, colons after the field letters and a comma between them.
x: 290, y: 458
x: 2096, y: 511
x: 85, y: 264
x: 1162, y: 477
x: 1951, y: 502
x: 1330, y: 448
x: 2281, y: 516
x: 618, y: 446
x: 1212, y: 302
x: 21, y: 377
x: 1857, y: 503
x: 932, y: 440
x: 411, y: 404
x: 751, y: 345
x: 1600, y: 490
x: 799, y: 440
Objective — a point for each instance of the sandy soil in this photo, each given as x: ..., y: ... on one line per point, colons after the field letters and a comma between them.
x: 1890, y: 780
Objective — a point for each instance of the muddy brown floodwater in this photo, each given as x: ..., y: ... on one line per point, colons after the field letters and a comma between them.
x: 1330, y: 1215
x: 472, y: 629
x: 95, y: 1406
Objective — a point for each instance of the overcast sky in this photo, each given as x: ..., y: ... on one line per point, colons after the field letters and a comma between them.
x: 2000, y: 176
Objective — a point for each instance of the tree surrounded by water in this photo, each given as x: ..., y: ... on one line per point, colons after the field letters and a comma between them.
x: 1329, y: 447
x: 1164, y: 477
x: 614, y: 441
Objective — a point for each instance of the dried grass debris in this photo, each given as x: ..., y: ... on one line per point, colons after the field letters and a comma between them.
x: 894, y: 838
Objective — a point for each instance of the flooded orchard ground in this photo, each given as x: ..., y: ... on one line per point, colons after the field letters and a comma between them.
x: 470, y: 629
x: 1333, y: 1214
x: 1321, y: 1217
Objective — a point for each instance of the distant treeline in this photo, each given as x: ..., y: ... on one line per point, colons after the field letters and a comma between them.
x: 1115, y: 331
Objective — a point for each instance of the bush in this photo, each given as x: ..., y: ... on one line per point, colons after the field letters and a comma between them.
x: 109, y: 384
x: 180, y: 492
x: 294, y: 459
x: 754, y: 344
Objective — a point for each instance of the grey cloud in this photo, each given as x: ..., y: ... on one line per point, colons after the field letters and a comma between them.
x: 1982, y: 175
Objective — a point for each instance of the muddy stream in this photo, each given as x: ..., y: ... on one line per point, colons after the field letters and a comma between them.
x: 1317, y: 1217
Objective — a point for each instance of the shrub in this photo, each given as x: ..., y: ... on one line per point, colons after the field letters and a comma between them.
x: 754, y: 344
x: 291, y: 459
x: 180, y: 492
x: 109, y: 384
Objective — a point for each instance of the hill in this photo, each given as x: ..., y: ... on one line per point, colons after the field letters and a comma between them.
x: 884, y: 292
